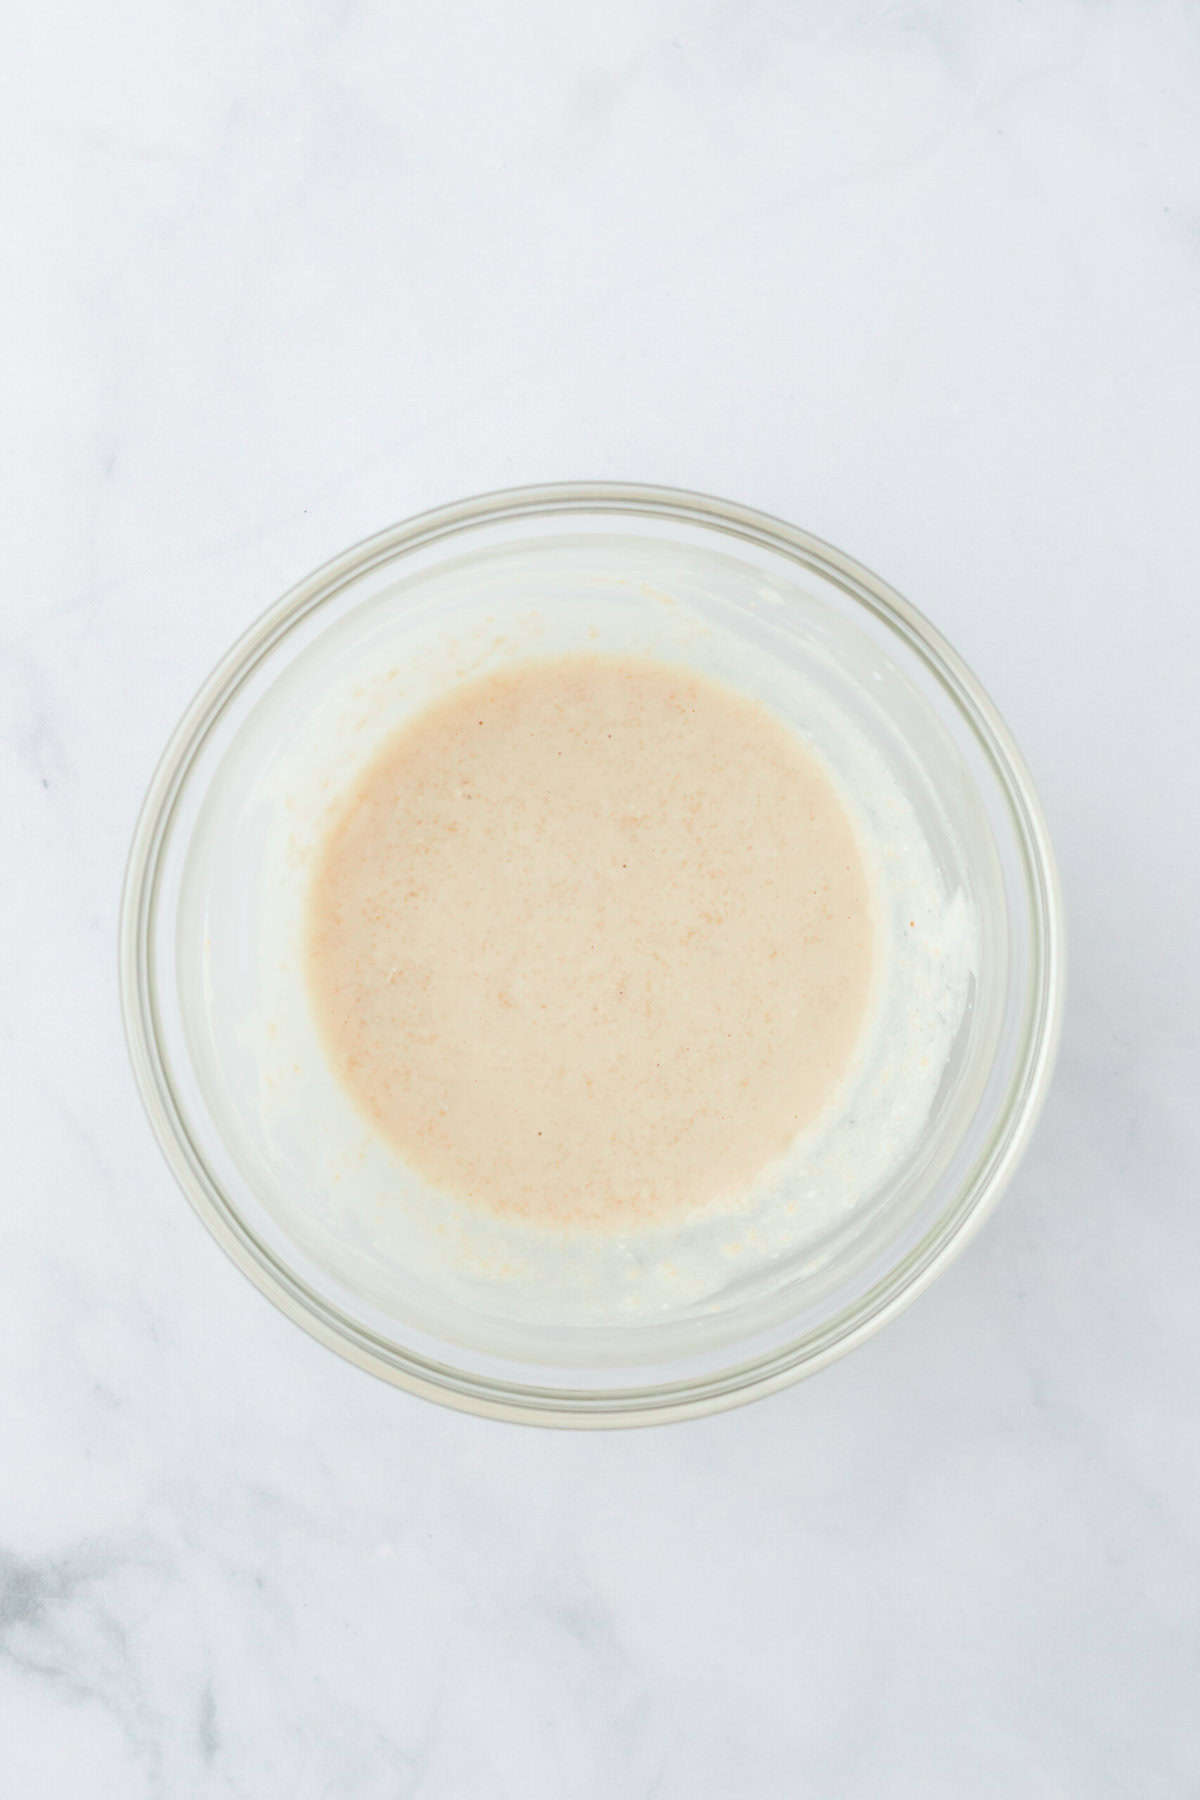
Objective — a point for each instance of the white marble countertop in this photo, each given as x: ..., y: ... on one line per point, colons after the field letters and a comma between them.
x: 926, y: 280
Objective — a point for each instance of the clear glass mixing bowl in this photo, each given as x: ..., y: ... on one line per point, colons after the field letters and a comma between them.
x: 493, y: 578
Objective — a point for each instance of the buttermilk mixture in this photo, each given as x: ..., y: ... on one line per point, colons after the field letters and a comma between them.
x: 590, y: 942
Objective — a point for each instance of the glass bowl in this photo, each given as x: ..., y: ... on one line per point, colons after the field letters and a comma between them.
x: 216, y: 868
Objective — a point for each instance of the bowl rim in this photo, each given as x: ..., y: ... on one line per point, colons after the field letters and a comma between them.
x: 653, y: 1402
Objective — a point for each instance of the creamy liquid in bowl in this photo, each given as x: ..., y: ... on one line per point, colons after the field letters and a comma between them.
x: 591, y: 941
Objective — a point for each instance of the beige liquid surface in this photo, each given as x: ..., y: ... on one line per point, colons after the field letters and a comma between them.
x: 590, y: 942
